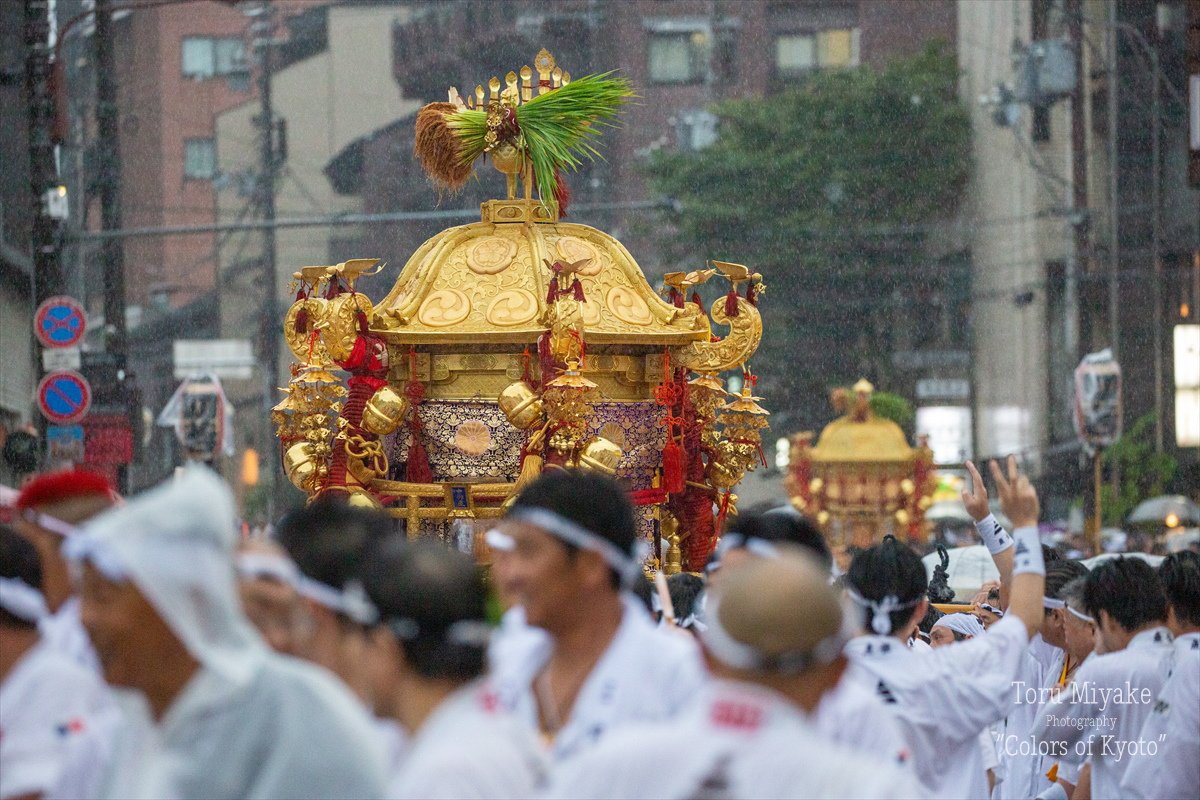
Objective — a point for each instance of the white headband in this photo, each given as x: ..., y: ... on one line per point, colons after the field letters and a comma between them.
x: 99, y: 554
x: 351, y: 600
x: 47, y: 522
x: 991, y: 608
x: 628, y: 567
x: 253, y: 565
x: 475, y: 633
x: 1050, y: 602
x: 759, y: 547
x: 881, y: 610
x: 1080, y: 615
x: 22, y: 600
x: 739, y: 655
x: 966, y: 624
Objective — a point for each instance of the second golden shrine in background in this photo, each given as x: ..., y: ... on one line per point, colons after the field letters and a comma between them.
x: 862, y: 480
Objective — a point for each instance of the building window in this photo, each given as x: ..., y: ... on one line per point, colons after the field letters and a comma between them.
x: 678, y: 57
x: 199, y: 159
x: 796, y: 53
x: 204, y: 57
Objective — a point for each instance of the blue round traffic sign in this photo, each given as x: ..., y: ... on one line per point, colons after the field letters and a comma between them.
x: 64, y: 396
x: 59, y: 322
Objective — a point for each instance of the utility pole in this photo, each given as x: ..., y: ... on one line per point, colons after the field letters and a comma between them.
x: 1114, y: 205
x: 108, y: 147
x: 263, y: 37
x: 43, y: 170
x: 1156, y: 243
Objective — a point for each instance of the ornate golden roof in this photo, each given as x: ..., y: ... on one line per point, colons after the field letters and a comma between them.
x: 874, y: 439
x: 488, y: 282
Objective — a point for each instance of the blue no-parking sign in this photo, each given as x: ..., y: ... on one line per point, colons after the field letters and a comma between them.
x: 64, y: 396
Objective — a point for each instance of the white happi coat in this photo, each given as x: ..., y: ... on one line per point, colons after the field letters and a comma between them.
x: 1024, y: 768
x: 1083, y: 723
x: 944, y: 699
x: 1173, y: 769
x: 736, y: 740
x: 56, y: 717
x: 646, y: 674
x: 856, y: 717
x: 471, y: 749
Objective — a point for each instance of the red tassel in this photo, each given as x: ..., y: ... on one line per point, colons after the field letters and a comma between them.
x: 675, y: 298
x: 672, y: 468
x: 552, y: 292
x: 731, y: 303
x: 302, y: 321
x: 562, y: 194
x: 362, y: 323
x: 751, y: 295
x: 417, y: 470
x: 577, y: 288
x: 334, y: 290
x: 696, y: 299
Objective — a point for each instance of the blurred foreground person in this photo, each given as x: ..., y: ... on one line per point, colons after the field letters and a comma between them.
x: 1119, y: 683
x: 431, y: 642
x: 579, y: 656
x: 55, y: 715
x: 210, y: 711
x: 773, y: 644
x: 1174, y: 721
x: 50, y: 509
x: 328, y: 540
x: 946, y: 698
x: 267, y: 585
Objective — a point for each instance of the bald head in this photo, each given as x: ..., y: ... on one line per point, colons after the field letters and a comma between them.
x: 781, y: 605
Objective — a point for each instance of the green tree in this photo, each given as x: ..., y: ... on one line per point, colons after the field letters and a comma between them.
x: 828, y: 189
x: 1143, y: 472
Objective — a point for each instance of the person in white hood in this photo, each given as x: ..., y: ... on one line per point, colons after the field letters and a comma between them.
x: 774, y: 646
x: 210, y: 710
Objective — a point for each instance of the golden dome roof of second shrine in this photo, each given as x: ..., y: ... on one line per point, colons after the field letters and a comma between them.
x: 490, y: 282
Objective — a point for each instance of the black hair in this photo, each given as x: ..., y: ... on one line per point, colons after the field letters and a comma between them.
x: 993, y: 594
x: 889, y: 568
x: 684, y: 588
x: 784, y: 525
x: 595, y: 502
x: 643, y: 589
x: 329, y: 538
x: 1180, y: 576
x: 1072, y: 593
x: 1129, y: 590
x: 426, y: 587
x: 19, y: 560
x: 1049, y: 554
x: 932, y: 615
x: 1059, y: 574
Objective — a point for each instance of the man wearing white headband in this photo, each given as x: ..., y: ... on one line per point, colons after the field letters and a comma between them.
x: 947, y: 697
x: 431, y: 639
x: 210, y: 711
x: 55, y: 715
x: 588, y: 658
x: 774, y: 647
x: 954, y: 628
x: 49, y: 510
x: 267, y: 584
x: 1120, y: 682
x: 1078, y: 634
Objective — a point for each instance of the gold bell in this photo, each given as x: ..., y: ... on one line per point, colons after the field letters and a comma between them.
x: 385, y: 411
x: 298, y: 465
x: 601, y: 455
x: 520, y: 404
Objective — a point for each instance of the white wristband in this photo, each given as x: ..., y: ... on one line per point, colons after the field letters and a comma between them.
x: 994, y: 537
x: 1027, y: 557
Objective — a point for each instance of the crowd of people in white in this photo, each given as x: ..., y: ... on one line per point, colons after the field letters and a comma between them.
x: 148, y: 650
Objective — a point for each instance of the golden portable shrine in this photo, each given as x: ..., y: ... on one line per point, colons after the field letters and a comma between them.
x: 862, y: 480
x: 522, y: 343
